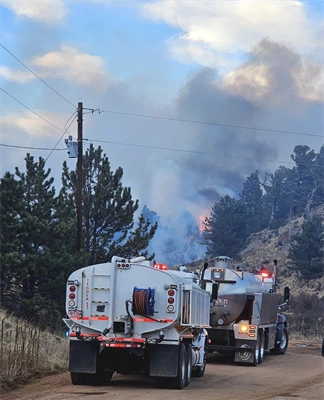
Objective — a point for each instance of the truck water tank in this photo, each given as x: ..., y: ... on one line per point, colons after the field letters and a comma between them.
x: 236, y: 291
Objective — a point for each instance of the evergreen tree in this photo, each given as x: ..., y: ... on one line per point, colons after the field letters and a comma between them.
x: 226, y: 228
x: 37, y: 235
x: 307, y: 251
x: 304, y: 177
x: 318, y: 171
x: 280, y: 189
x: 11, y: 213
x: 258, y: 213
x: 108, y: 210
x: 32, y: 252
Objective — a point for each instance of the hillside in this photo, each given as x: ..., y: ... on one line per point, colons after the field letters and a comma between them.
x: 265, y: 246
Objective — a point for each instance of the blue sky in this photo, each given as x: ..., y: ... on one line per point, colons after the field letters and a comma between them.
x: 255, y: 64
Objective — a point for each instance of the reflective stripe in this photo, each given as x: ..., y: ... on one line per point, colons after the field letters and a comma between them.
x: 152, y: 320
x: 92, y: 318
x: 122, y: 345
x: 121, y: 339
x: 73, y: 334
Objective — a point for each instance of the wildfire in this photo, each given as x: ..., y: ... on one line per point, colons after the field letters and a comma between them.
x: 201, y: 225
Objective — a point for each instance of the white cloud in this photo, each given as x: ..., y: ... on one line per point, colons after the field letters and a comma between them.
x: 14, y: 75
x: 33, y: 125
x: 68, y: 64
x: 49, y: 11
x: 229, y: 27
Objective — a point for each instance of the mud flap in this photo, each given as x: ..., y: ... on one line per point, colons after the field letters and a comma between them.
x: 247, y: 354
x: 164, y: 360
x: 83, y: 356
x: 279, y: 331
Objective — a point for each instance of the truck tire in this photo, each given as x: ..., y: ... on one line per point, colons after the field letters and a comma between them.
x: 77, y: 378
x: 256, y: 353
x: 200, y: 371
x: 180, y: 380
x: 262, y: 347
x: 106, y: 377
x: 282, y: 346
x: 85, y: 379
x: 188, y: 364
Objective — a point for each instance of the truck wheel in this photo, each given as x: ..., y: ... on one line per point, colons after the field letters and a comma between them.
x: 256, y: 354
x: 85, y: 379
x: 262, y: 347
x: 180, y: 381
x: 78, y: 379
x: 200, y: 371
x: 106, y: 377
x: 188, y: 364
x: 282, y: 346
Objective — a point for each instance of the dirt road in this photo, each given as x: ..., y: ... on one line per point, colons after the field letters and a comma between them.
x: 297, y: 374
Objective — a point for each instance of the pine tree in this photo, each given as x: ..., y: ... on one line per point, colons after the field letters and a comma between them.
x: 257, y: 210
x: 226, y: 228
x: 307, y: 251
x: 108, y: 210
x: 280, y: 190
x: 304, y: 177
x: 11, y: 213
x: 35, y: 260
x: 37, y: 221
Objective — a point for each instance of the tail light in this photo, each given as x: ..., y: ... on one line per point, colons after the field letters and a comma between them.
x: 170, y: 300
x: 72, y: 291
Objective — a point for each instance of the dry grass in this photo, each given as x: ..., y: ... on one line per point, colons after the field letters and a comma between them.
x: 25, y: 351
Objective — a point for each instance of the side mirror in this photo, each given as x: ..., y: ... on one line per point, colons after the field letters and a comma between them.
x: 286, y: 294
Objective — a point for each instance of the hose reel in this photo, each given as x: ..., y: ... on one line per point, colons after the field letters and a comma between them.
x: 143, y: 301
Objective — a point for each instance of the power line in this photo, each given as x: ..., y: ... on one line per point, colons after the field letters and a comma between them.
x: 188, y: 151
x: 160, y: 117
x: 32, y: 111
x: 207, y: 123
x: 36, y: 75
x: 65, y: 131
x: 29, y: 147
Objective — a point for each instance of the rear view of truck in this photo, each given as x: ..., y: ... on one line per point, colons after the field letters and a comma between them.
x: 244, y: 315
x: 129, y: 317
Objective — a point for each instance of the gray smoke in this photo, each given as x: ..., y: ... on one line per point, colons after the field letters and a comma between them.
x: 276, y: 88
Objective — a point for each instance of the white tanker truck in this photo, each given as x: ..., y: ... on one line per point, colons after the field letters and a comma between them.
x: 244, y: 317
x: 131, y: 317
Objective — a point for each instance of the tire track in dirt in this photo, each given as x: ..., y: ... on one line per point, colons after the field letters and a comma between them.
x: 293, y: 375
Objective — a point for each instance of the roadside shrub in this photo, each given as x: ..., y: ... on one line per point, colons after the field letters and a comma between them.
x: 306, y: 316
x: 25, y: 350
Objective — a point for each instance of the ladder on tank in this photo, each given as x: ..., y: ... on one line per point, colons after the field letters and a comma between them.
x: 101, y: 300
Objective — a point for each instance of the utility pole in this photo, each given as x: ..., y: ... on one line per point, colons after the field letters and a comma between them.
x: 79, y: 176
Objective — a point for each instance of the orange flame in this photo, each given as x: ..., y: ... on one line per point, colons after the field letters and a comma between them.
x: 201, y: 225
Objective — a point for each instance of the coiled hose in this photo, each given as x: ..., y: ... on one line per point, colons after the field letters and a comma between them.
x: 143, y: 301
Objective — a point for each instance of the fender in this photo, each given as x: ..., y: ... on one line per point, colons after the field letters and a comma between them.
x: 281, y: 323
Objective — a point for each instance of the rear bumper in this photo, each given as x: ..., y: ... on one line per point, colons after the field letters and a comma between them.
x: 227, y: 349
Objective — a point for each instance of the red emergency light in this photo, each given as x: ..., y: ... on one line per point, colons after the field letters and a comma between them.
x: 163, y: 267
x: 265, y: 274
